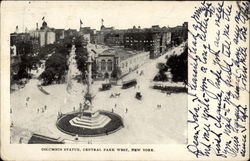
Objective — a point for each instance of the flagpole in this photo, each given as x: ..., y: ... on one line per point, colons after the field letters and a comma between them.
x: 80, y: 24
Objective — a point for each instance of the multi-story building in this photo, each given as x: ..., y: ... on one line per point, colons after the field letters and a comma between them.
x: 115, y: 38
x: 154, y: 39
x: 179, y: 34
x: 59, y: 34
x: 47, y: 35
x: 14, y: 62
x: 88, y: 33
x: 117, y: 58
x: 100, y: 35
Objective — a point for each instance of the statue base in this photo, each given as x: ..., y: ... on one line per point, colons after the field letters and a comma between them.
x: 89, y: 123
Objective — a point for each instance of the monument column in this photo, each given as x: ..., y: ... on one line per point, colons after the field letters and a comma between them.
x: 88, y: 96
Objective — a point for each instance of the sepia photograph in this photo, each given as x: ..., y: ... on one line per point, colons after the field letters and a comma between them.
x: 124, y: 80
x: 95, y: 73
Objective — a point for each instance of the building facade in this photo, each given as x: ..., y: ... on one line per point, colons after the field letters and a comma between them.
x: 119, y: 59
x: 59, y: 34
x: 47, y: 35
x: 115, y: 38
x: 156, y: 40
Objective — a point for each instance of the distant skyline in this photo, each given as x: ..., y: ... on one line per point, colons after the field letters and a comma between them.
x: 120, y: 15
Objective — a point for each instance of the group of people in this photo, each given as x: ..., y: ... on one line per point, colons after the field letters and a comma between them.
x: 112, y: 110
x: 141, y: 73
x: 43, y: 109
x: 158, y: 106
x: 27, y: 101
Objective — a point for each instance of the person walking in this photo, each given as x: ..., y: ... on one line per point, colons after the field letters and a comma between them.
x: 21, y: 140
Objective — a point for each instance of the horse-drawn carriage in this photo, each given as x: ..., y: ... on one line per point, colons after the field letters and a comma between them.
x: 105, y: 86
x: 138, y: 95
x: 129, y: 84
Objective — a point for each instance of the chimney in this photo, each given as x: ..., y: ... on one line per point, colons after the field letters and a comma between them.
x: 36, y: 26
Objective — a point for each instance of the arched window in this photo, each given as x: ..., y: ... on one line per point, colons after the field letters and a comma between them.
x: 103, y: 65
x: 109, y: 64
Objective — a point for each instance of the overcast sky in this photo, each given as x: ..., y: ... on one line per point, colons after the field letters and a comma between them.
x: 120, y: 15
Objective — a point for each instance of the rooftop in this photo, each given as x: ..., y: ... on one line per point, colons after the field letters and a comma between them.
x: 118, y: 52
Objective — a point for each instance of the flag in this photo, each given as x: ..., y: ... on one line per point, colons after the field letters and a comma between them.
x: 43, y: 18
x: 81, y: 22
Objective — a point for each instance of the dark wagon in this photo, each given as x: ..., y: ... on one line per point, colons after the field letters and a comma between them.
x: 105, y: 86
x: 129, y: 84
x: 138, y: 95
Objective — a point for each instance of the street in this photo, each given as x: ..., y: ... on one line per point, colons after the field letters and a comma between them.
x: 140, y: 116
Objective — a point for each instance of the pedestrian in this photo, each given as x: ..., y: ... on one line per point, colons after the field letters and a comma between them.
x: 76, y: 137
x: 115, y: 105
x: 20, y: 140
x: 112, y: 110
x: 80, y: 107
x: 37, y: 110
x: 42, y: 110
x: 126, y: 110
x: 74, y: 108
x: 10, y: 110
x: 45, y: 107
x: 26, y: 104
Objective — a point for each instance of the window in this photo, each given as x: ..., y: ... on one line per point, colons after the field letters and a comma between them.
x: 103, y: 65
x: 109, y: 64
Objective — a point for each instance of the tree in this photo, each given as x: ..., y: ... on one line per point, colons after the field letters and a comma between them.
x: 179, y: 67
x: 116, y: 73
x: 56, y: 65
x: 28, y: 60
x: 82, y: 57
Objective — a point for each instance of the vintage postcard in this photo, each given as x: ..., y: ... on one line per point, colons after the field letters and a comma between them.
x: 125, y: 80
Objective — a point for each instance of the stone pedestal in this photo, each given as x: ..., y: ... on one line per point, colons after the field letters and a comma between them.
x: 90, y: 120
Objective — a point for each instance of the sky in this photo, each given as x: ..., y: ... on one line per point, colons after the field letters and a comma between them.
x: 121, y: 15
